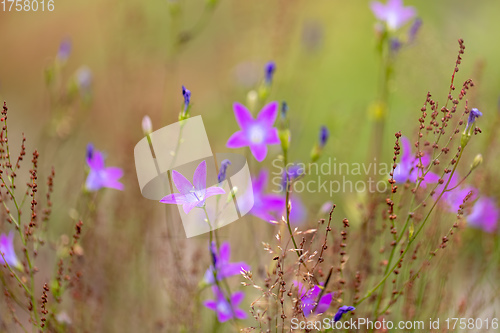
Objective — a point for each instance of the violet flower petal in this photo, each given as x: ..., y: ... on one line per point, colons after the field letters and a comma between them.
x: 187, y: 207
x: 7, y: 248
x: 259, y: 151
x: 183, y: 185
x: 267, y: 116
x: 214, y: 190
x: 224, y: 253
x: 237, y: 298
x: 211, y: 304
x: 175, y: 199
x: 110, y: 178
x: 243, y: 116
x: 200, y: 179
x: 324, y: 303
x: 272, y: 137
x: 484, y: 215
x: 237, y: 140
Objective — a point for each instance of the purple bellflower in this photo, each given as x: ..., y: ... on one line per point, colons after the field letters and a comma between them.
x: 255, y: 133
x: 341, y: 311
x: 223, y: 170
x: 407, y: 167
x: 394, y: 13
x: 484, y: 215
x: 308, y: 299
x: 7, y: 249
x: 226, y: 309
x: 223, y: 268
x: 266, y: 206
x: 100, y: 176
x: 190, y: 195
x: 270, y: 69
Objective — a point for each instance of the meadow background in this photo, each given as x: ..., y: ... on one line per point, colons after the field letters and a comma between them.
x: 327, y: 72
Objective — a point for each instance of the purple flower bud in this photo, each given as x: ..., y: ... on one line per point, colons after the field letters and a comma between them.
x: 323, y: 136
x: 84, y: 78
x: 415, y: 27
x: 342, y: 310
x: 223, y: 169
x: 213, y: 252
x: 64, y: 50
x: 90, y: 151
x: 147, y: 125
x: 395, y: 45
x: 284, y: 109
x: 270, y: 69
x: 474, y: 113
x: 187, y: 97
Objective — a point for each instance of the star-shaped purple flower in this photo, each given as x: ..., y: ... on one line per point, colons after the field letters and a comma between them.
x: 308, y: 299
x: 225, y: 309
x: 192, y: 195
x: 223, y: 267
x: 484, y: 215
x: 394, y: 13
x: 255, y: 133
x: 407, y: 170
x: 266, y: 206
x: 7, y: 249
x: 99, y: 175
x: 342, y: 310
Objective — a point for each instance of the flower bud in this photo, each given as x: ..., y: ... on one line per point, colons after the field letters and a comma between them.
x: 252, y: 99
x: 64, y: 50
x: 478, y: 160
x: 147, y: 125
x: 323, y: 136
x: 84, y: 79
x: 270, y: 69
x: 184, y: 114
x: 223, y: 169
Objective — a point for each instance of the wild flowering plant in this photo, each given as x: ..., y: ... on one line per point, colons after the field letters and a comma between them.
x: 24, y: 237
